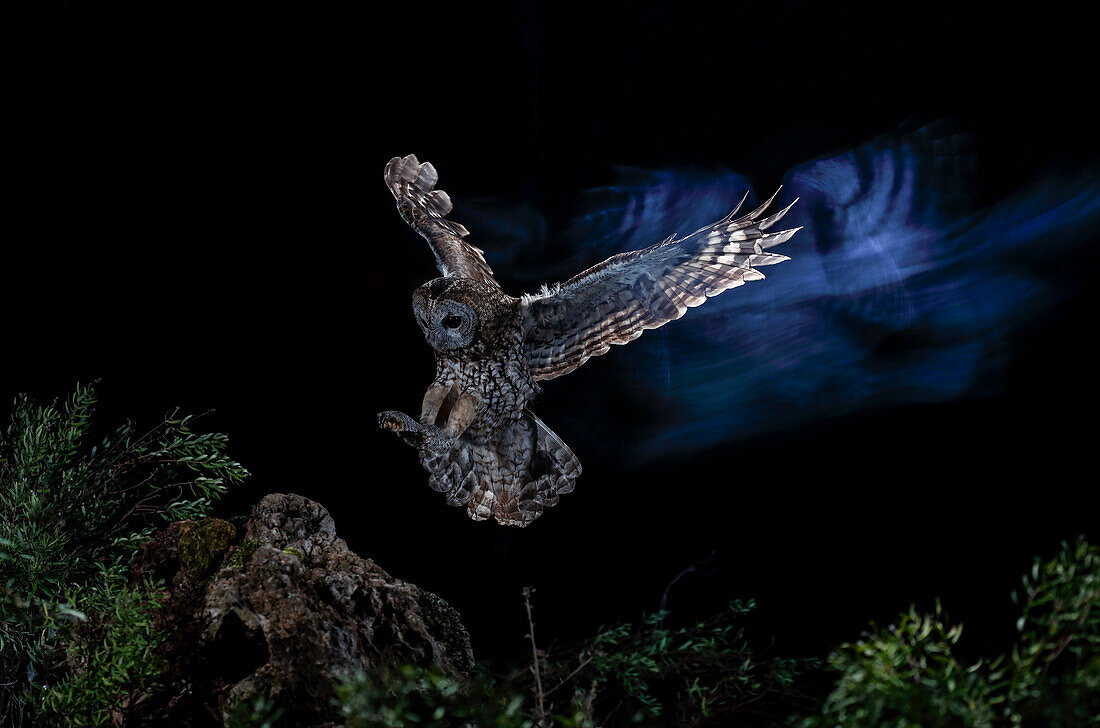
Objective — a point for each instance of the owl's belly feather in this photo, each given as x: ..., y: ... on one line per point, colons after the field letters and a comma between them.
x: 502, y: 388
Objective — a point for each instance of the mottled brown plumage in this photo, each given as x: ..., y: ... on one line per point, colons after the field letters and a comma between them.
x: 476, y: 437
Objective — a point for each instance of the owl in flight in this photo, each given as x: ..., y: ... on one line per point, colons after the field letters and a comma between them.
x: 476, y: 437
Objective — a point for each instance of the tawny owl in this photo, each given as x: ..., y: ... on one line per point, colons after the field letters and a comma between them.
x: 476, y: 438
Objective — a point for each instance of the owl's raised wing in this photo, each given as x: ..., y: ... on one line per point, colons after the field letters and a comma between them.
x: 613, y: 302
x: 425, y: 208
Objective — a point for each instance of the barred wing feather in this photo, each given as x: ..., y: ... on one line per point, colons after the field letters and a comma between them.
x: 425, y: 209
x: 613, y: 302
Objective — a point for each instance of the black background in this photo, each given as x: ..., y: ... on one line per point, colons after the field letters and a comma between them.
x: 199, y: 220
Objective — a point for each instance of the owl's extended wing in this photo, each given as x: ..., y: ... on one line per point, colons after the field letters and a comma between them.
x: 613, y: 302
x: 424, y: 209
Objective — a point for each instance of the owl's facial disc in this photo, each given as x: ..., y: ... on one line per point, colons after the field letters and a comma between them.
x: 450, y: 324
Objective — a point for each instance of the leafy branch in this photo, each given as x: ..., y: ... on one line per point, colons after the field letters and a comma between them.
x: 72, y: 514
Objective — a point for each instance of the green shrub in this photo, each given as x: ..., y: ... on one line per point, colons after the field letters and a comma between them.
x: 261, y: 712
x: 111, y: 662
x: 416, y: 696
x: 704, y: 673
x: 72, y: 514
x: 907, y: 675
x: 1055, y: 668
x: 645, y: 674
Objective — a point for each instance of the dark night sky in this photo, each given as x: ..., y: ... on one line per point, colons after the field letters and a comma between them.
x: 200, y: 221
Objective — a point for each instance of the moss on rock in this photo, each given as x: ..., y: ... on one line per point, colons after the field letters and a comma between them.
x: 203, y: 543
x: 240, y: 556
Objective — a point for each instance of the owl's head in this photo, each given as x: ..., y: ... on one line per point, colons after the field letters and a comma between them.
x: 451, y: 312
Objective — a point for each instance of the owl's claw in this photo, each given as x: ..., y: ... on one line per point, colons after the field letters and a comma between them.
x: 397, y: 422
x: 427, y: 437
x: 402, y: 425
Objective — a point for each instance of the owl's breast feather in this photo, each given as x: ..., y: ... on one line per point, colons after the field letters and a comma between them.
x: 503, y: 388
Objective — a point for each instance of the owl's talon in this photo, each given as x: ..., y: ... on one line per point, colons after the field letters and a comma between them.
x: 397, y: 422
x: 427, y: 437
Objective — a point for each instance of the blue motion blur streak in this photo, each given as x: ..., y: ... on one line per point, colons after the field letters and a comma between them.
x: 898, y: 291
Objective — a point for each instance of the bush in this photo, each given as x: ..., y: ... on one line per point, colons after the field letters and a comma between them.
x: 646, y: 674
x: 906, y: 676
x: 422, y: 697
x: 261, y: 712
x: 112, y: 663
x: 1055, y: 667
x: 703, y: 673
x: 71, y: 517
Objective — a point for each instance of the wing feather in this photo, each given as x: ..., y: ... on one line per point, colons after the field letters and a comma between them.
x: 425, y: 209
x: 615, y: 301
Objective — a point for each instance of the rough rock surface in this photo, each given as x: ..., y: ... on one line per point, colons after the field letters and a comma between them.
x: 289, y: 611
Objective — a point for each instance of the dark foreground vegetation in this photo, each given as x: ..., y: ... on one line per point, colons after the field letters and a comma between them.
x: 118, y: 588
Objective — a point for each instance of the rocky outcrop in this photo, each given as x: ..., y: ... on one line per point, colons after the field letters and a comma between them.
x: 278, y: 606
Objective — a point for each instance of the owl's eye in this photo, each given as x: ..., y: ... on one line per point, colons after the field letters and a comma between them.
x: 452, y: 321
